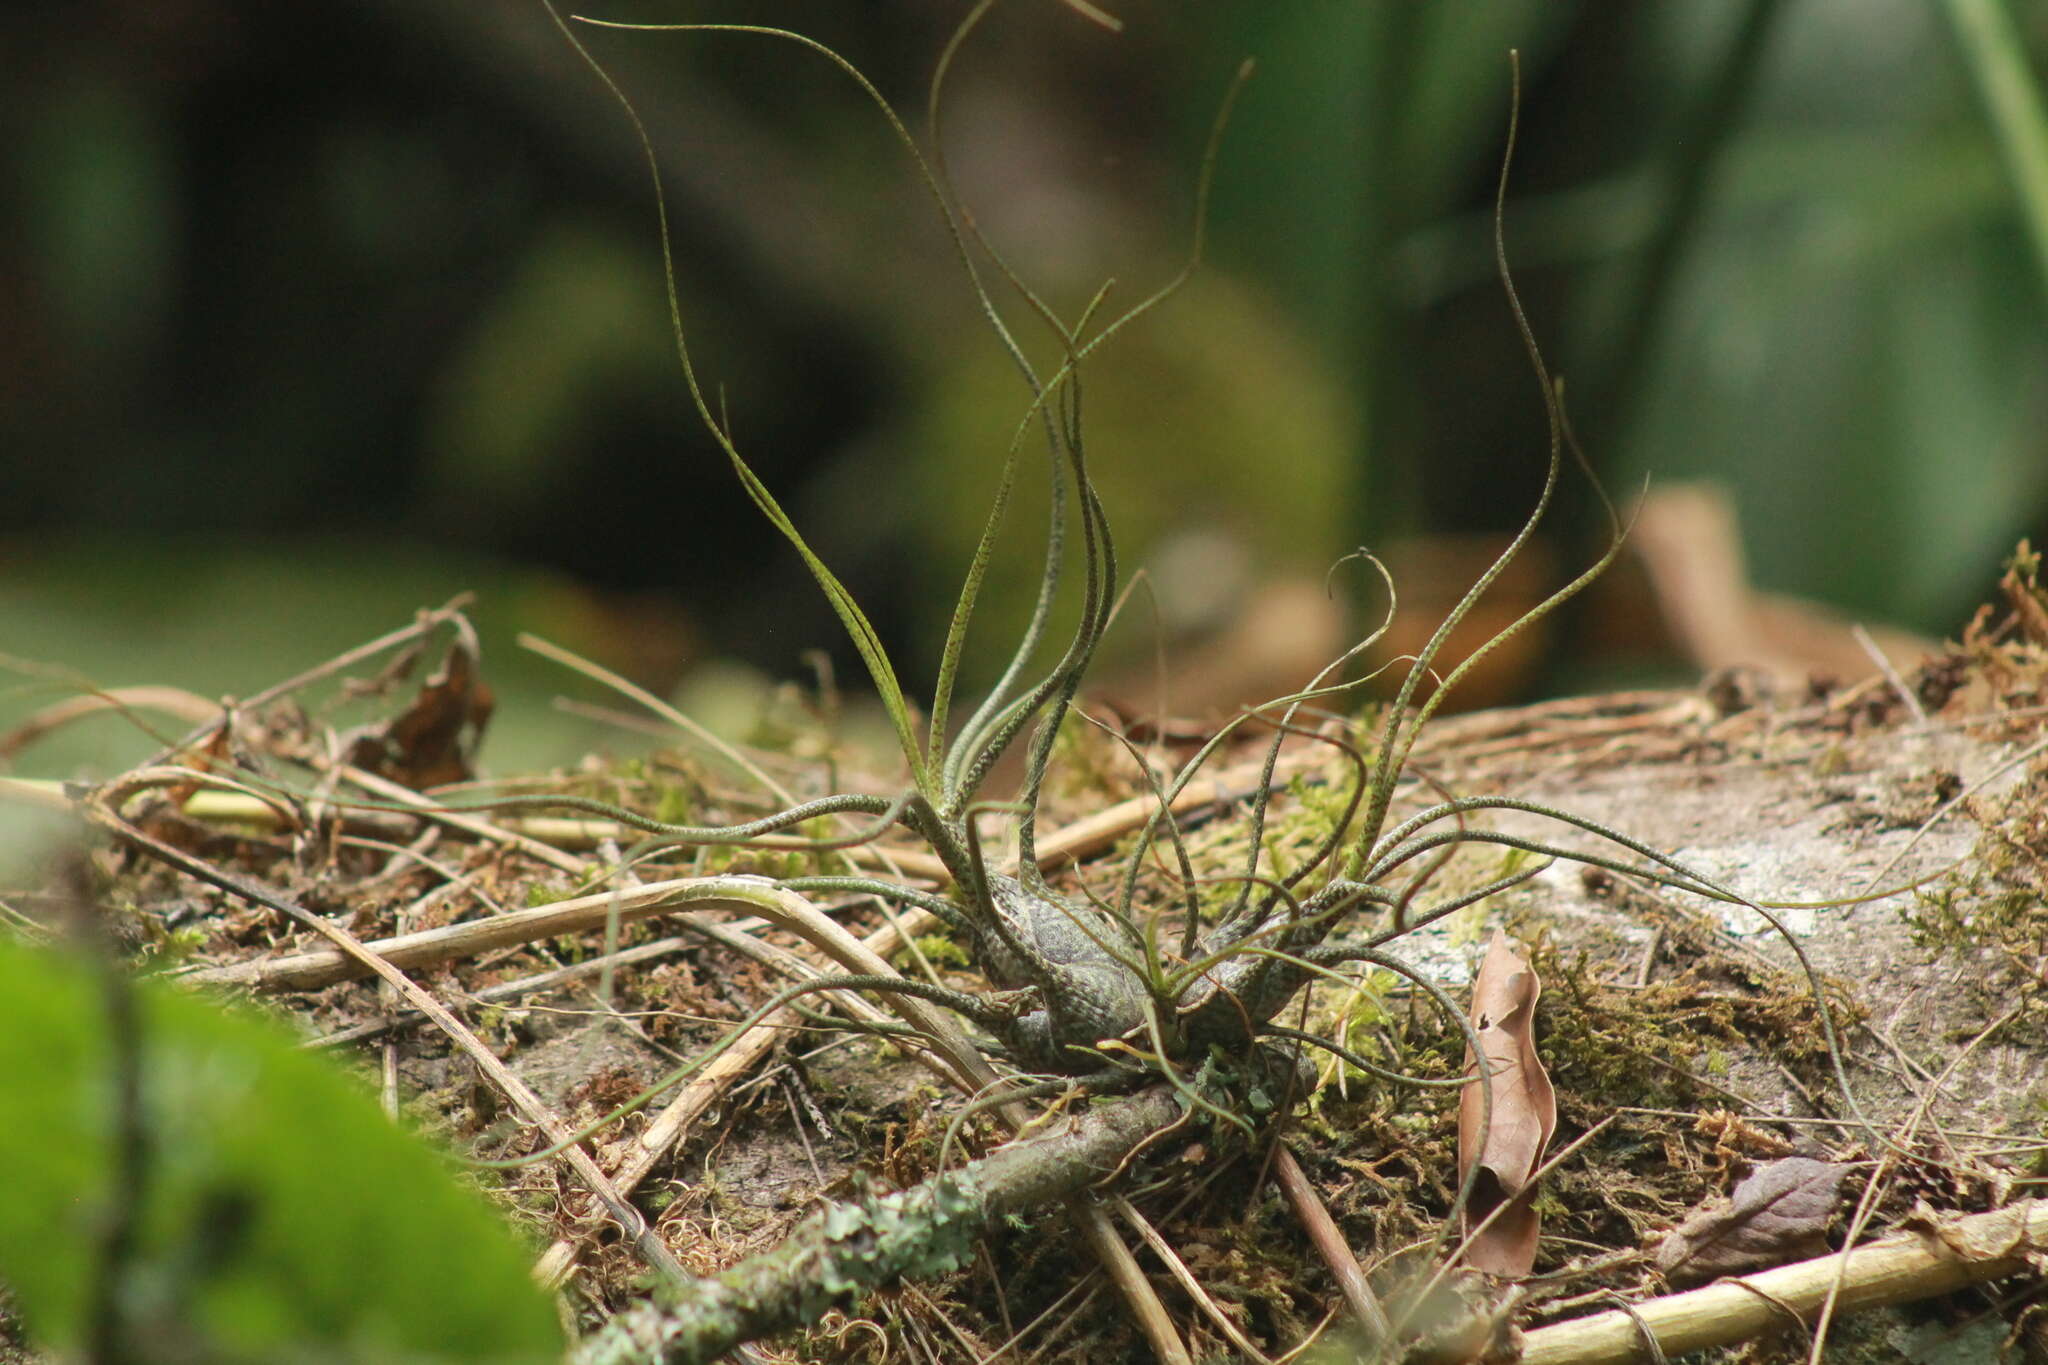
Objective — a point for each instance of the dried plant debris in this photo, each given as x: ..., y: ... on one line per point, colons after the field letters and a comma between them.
x: 1779, y: 1213
x: 1992, y: 913
x: 1506, y: 1146
x: 2008, y: 650
x: 1380, y: 1157
x: 433, y: 741
x: 2022, y: 588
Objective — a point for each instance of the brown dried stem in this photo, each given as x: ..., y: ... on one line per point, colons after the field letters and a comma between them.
x: 1935, y: 1258
x: 1328, y: 1240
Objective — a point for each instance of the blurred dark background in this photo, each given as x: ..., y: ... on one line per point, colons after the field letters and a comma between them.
x: 313, y: 315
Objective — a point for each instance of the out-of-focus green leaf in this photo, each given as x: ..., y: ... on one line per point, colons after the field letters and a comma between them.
x: 1223, y: 426
x: 1992, y: 48
x: 1850, y: 370
x: 569, y: 330
x: 1459, y: 91
x: 281, y: 1216
x: 100, y: 216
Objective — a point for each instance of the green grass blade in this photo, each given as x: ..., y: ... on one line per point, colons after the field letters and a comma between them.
x: 2012, y: 97
x: 963, y: 611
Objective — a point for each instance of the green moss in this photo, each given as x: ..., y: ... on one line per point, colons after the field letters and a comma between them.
x: 1996, y: 912
x: 941, y: 950
x: 673, y: 806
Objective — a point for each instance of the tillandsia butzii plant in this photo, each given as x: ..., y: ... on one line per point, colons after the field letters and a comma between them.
x: 1112, y: 994
x: 1087, y: 988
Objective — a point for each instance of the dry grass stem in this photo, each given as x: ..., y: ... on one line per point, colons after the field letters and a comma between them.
x: 660, y: 1137
x: 483, y: 829
x: 1184, y: 1277
x: 1328, y: 1240
x: 1129, y: 1278
x: 452, y: 942
x: 171, y: 701
x: 511, y: 990
x: 1937, y: 1257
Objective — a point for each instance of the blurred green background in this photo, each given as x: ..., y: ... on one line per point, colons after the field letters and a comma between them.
x: 313, y: 315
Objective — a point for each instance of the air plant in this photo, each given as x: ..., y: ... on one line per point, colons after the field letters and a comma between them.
x: 1112, y: 994
x: 1084, y: 989
x: 1096, y: 995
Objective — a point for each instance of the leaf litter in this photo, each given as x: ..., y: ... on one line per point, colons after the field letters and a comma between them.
x: 1779, y: 1213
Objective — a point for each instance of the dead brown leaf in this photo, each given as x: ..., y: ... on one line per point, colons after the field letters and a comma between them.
x: 1779, y: 1214
x: 1508, y: 1149
x: 1689, y: 541
x: 433, y: 740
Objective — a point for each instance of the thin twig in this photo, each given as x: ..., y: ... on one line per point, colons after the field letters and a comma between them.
x: 1891, y: 674
x: 1329, y: 1243
x: 1124, y: 1272
x: 703, y: 1090
x: 773, y: 1291
x: 423, y: 624
x: 1941, y: 812
x: 174, y: 701
x: 451, y: 942
x: 509, y: 990
x: 571, y: 660
x: 1878, y: 1180
x: 1178, y: 1268
x: 468, y: 823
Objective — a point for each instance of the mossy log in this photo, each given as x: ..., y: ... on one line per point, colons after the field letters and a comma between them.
x: 859, y: 1246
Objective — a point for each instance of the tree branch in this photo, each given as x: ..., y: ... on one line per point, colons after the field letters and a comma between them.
x: 853, y: 1248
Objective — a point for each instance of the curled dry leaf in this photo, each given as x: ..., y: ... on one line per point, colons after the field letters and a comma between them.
x: 1507, y: 1150
x: 1779, y: 1214
x: 433, y: 740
